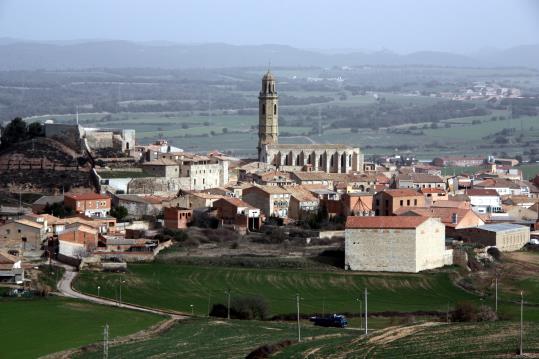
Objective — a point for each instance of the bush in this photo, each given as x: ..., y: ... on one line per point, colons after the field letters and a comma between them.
x: 243, y: 307
x: 464, y: 312
x: 495, y: 253
x: 486, y: 314
x: 469, y: 312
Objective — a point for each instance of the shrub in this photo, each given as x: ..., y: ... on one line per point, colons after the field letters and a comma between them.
x: 243, y: 307
x: 464, y: 312
x: 486, y: 314
x: 495, y: 253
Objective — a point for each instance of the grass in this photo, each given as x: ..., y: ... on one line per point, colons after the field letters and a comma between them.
x: 202, y: 338
x: 456, y: 341
x: 35, y: 327
x: 176, y: 287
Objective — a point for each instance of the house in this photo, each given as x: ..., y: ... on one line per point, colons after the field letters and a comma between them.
x: 240, y: 214
x: 196, y: 200
x: 329, y: 200
x: 11, y: 269
x: 357, y: 204
x: 77, y: 240
x: 272, y: 201
x: 272, y: 178
x: 139, y: 205
x: 302, y: 203
x: 395, y: 244
x: 418, y: 180
x: 452, y: 218
x: 484, y: 200
x: 502, y: 186
x: 89, y: 204
x: 433, y: 195
x: 504, y: 236
x: 162, y: 167
x: 390, y: 200
x: 458, y: 161
x: 177, y: 217
x: 22, y: 234
x: 8, y: 213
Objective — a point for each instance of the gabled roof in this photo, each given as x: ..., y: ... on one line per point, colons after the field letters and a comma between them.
x: 161, y: 162
x: 384, y: 222
x: 481, y: 192
x: 236, y: 202
x: 420, y: 178
x: 444, y: 213
x: 267, y: 189
x: 302, y: 194
x: 497, y: 183
x: 27, y: 222
x: 86, y: 196
x: 403, y: 192
x: 432, y: 190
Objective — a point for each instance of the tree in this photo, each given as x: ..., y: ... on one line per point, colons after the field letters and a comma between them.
x: 14, y: 132
x: 35, y: 129
x: 58, y: 210
x: 119, y: 212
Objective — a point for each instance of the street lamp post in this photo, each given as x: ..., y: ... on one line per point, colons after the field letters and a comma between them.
x: 121, y: 281
x: 98, y: 289
x: 228, y: 305
x: 360, y: 313
x: 192, y: 309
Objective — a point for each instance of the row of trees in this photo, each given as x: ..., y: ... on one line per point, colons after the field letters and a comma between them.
x: 18, y: 130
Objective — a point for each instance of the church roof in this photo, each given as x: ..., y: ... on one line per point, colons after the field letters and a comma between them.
x: 268, y: 76
x: 309, y: 146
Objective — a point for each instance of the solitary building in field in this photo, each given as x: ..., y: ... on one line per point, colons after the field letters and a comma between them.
x: 332, y: 158
x: 395, y: 244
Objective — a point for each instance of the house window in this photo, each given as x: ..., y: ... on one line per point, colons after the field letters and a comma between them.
x: 415, y: 202
x: 408, y: 202
x: 402, y: 202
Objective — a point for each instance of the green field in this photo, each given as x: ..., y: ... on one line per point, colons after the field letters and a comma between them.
x: 201, y: 338
x: 178, y: 286
x: 456, y: 341
x: 33, y: 327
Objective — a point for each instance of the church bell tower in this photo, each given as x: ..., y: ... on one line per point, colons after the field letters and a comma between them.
x: 268, y: 113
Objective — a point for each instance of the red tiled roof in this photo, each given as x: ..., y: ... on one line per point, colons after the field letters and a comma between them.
x: 403, y: 192
x: 481, y: 192
x: 86, y: 196
x: 233, y: 201
x: 381, y: 222
x: 444, y: 213
x: 432, y: 190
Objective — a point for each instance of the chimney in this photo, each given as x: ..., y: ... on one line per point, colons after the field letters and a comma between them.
x: 454, y: 218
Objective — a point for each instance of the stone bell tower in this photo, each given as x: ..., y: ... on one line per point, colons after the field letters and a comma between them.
x: 268, y: 115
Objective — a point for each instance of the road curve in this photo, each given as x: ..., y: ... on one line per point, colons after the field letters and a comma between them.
x: 65, y: 288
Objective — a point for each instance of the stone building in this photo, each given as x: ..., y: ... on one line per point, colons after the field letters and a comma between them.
x: 334, y: 158
x: 387, y: 202
x: 504, y: 236
x: 272, y: 200
x: 395, y: 244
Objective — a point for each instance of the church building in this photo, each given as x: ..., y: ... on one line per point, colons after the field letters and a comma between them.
x: 331, y: 158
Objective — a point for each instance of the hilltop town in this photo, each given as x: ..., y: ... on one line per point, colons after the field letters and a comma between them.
x: 96, y: 200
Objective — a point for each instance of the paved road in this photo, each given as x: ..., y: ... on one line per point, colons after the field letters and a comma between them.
x: 65, y: 287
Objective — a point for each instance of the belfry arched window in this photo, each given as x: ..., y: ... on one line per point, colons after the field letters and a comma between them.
x: 263, y: 108
x: 275, y: 109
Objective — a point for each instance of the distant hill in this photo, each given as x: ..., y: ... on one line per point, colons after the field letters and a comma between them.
x: 17, y: 54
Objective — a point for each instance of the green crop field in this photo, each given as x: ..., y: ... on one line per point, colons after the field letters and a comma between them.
x: 202, y: 338
x: 178, y: 286
x: 30, y: 328
x: 456, y: 341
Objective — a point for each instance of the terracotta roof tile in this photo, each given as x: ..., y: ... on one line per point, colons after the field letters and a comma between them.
x: 381, y: 222
x: 86, y: 196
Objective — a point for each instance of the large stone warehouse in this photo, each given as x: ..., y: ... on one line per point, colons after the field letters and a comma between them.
x: 395, y: 244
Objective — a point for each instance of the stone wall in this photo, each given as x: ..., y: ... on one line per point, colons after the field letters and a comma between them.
x: 158, y: 185
x: 68, y: 134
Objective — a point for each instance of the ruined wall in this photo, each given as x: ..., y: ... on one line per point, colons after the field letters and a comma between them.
x: 158, y: 185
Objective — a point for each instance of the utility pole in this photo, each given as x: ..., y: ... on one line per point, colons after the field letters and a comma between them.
x: 447, y: 313
x: 228, y: 305
x: 496, y: 286
x: 299, y: 327
x: 366, y: 324
x: 521, y: 320
x: 106, y: 342
x: 360, y: 313
x: 209, y: 301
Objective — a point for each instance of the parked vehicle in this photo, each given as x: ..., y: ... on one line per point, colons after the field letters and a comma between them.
x: 334, y: 320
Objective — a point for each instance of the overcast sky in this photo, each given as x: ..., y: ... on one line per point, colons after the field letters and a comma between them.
x: 399, y: 25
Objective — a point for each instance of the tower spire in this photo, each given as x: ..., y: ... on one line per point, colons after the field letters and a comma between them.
x: 268, y: 118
